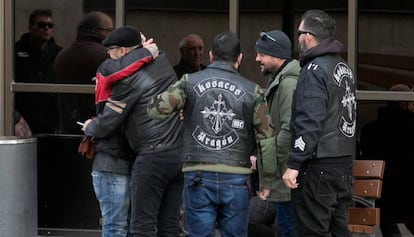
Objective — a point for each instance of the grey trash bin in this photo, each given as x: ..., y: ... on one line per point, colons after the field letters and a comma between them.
x: 18, y: 187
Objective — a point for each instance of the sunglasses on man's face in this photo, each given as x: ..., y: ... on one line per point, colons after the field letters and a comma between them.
x: 301, y: 32
x: 42, y: 24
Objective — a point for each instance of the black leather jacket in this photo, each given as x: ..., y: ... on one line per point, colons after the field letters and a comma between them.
x: 220, y: 104
x: 324, y: 111
x: 128, y: 106
x: 113, y: 153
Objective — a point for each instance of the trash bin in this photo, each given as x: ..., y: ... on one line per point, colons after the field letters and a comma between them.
x: 18, y: 186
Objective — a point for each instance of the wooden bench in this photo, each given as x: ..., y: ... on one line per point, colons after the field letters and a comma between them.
x: 367, y: 187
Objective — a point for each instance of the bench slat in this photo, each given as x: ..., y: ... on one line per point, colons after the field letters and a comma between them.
x: 364, y: 215
x: 368, y: 169
x: 368, y: 188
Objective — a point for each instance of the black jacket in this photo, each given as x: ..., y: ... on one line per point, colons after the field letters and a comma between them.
x: 324, y: 111
x: 181, y: 68
x: 113, y: 153
x: 128, y: 106
x: 34, y: 65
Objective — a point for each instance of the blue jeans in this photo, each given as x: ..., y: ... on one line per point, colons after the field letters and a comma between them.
x: 113, y: 193
x: 211, y: 198
x: 284, y: 219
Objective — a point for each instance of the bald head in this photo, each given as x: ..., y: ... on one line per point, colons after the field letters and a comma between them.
x: 191, y: 39
x: 192, y: 50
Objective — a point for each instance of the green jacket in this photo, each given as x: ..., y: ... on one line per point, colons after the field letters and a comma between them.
x: 279, y: 96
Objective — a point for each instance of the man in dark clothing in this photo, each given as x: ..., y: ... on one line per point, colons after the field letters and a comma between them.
x: 35, y: 53
x: 225, y: 116
x: 77, y: 64
x: 111, y: 170
x: 388, y: 138
x: 156, y: 178
x: 191, y: 51
x: 324, y: 132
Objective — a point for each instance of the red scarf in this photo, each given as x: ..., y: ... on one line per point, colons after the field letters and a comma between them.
x: 103, y: 84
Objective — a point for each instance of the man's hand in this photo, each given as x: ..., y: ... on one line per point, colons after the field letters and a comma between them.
x: 253, y: 160
x: 85, y: 124
x: 289, y: 177
x: 264, y: 194
x: 181, y: 115
x: 150, y: 45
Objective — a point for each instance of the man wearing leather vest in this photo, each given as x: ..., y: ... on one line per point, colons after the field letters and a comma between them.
x: 324, y: 125
x: 225, y: 115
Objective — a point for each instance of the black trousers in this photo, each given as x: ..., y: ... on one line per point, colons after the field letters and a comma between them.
x: 156, y: 194
x: 321, y: 201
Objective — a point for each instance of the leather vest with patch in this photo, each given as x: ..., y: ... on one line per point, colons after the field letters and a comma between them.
x: 219, y: 108
x: 338, y: 134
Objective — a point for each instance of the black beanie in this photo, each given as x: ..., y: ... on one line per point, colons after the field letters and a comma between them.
x: 274, y: 43
x: 125, y: 36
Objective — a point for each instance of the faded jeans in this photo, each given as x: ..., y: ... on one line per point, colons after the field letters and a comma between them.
x: 113, y: 193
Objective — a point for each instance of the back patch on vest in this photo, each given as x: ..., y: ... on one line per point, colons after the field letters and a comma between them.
x: 344, y: 78
x: 221, y: 130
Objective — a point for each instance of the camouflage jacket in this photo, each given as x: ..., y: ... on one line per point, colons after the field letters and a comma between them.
x: 177, y: 98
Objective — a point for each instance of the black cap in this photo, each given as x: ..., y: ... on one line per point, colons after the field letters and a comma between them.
x: 125, y: 36
x: 274, y: 43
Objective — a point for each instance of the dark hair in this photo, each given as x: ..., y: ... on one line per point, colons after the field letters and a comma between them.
x: 226, y: 47
x: 92, y: 21
x: 319, y: 23
x: 39, y: 12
